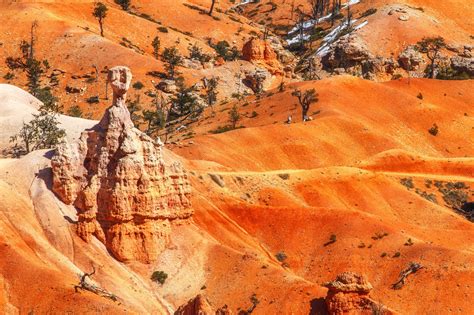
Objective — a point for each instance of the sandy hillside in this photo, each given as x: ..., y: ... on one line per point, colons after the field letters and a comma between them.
x: 279, y: 179
x: 382, y: 175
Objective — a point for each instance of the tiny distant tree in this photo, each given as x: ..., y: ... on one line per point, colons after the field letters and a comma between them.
x: 156, y: 46
x: 195, y: 52
x: 154, y: 119
x: 173, y: 59
x: 75, y: 111
x: 134, y: 107
x: 234, y: 116
x: 159, y: 277
x: 305, y: 99
x: 125, y: 4
x: 100, y: 12
x: 211, y: 91
x: 42, y: 132
x: 184, y: 104
x: 431, y: 46
x: 213, y: 2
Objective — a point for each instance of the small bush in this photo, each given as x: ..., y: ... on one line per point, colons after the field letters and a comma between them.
x: 163, y: 29
x: 75, y: 111
x: 379, y: 235
x: 281, y: 256
x: 407, y: 182
x: 396, y: 255
x: 332, y: 240
x: 383, y: 254
x: 159, y: 277
x: 93, y: 100
x: 409, y: 242
x: 396, y: 76
x: 138, y: 85
x: 9, y: 76
x: 434, y: 130
x: 368, y: 12
x: 420, y: 96
x: 254, y: 114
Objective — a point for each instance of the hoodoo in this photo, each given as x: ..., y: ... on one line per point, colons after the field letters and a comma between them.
x: 115, y: 175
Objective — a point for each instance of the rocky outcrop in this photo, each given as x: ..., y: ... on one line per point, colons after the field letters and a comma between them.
x: 196, y: 306
x: 200, y: 306
x: 349, y: 294
x: 463, y: 65
x: 115, y: 176
x: 351, y: 53
x: 347, y: 52
x: 262, y: 54
x: 410, y: 59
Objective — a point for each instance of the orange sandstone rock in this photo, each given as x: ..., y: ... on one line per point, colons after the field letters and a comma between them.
x: 117, y: 179
x: 349, y: 295
x: 261, y: 53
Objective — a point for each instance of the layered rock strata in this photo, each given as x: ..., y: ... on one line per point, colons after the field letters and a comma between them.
x: 115, y: 176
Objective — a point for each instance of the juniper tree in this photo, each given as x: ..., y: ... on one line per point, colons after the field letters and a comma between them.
x: 173, y: 59
x: 431, y: 46
x: 305, y: 100
x: 100, y: 12
x: 184, y: 104
x: 156, y: 46
x: 234, y: 116
x: 211, y: 91
x: 125, y: 4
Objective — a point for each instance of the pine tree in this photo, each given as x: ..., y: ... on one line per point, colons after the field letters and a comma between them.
x: 100, y: 13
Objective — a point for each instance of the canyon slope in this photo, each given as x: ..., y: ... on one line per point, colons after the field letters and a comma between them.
x: 366, y: 207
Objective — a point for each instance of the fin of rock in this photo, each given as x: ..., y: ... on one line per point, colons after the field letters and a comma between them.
x: 117, y: 179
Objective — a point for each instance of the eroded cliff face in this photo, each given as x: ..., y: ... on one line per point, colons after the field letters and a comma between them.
x: 115, y: 176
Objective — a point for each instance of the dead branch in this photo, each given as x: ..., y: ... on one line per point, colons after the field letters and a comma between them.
x: 412, y: 268
x: 84, y: 285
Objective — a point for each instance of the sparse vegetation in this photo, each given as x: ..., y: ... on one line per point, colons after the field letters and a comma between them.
x: 281, y: 256
x: 173, y: 59
x: 368, y: 12
x: 124, y: 4
x: 431, y: 46
x: 434, y: 130
x: 100, y: 13
x: 234, y: 116
x: 159, y: 277
x: 75, y: 111
x: 379, y: 235
x: 156, y: 47
x: 138, y: 85
x: 332, y: 240
x: 305, y: 100
x: 407, y: 182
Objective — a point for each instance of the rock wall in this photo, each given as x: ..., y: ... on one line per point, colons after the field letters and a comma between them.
x: 117, y: 179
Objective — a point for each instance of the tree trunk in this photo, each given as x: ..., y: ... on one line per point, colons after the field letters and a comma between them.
x: 304, y: 112
x: 101, y: 28
x: 212, y: 7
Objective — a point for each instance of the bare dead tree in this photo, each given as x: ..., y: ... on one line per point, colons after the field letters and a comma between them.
x: 305, y: 99
x: 85, y: 285
x: 412, y: 268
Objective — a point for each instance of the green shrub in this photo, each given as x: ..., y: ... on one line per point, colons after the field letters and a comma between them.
x: 281, y: 256
x: 159, y: 276
x: 138, y: 85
